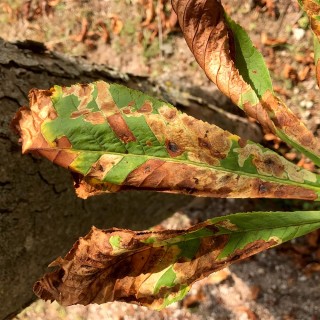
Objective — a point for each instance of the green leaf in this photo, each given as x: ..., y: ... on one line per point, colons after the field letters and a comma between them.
x: 249, y: 61
x: 116, y: 139
x: 116, y: 264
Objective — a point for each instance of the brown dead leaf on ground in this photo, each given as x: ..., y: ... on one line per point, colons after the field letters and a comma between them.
x: 304, y: 73
x: 81, y: 36
x: 269, y: 5
x: 291, y: 73
x: 102, y: 30
x: 271, y: 41
x: 149, y: 12
x: 270, y: 137
x: 306, y: 163
x: 249, y: 313
x: 116, y: 24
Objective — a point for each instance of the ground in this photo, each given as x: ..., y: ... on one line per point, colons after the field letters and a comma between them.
x: 142, y: 37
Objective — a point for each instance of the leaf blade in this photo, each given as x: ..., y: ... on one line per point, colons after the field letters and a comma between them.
x: 148, y: 144
x: 124, y: 265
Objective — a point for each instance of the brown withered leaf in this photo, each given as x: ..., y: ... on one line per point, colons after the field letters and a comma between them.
x: 157, y: 268
x: 226, y: 54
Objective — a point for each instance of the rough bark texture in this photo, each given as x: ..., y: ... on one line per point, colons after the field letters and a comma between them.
x: 40, y: 215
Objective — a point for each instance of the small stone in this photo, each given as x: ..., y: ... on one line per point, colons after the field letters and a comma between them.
x: 302, y: 278
x: 309, y: 104
x: 298, y: 33
x: 260, y: 271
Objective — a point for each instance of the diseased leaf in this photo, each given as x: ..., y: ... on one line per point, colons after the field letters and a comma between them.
x: 157, y: 268
x: 312, y: 8
x: 228, y: 57
x: 114, y: 138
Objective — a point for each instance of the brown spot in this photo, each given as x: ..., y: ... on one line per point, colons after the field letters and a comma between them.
x: 146, y: 108
x: 242, y: 142
x: 103, y: 165
x: 263, y: 188
x: 79, y: 113
x: 148, y: 143
x: 95, y: 117
x: 120, y: 128
x: 168, y: 113
x: 85, y: 90
x: 251, y: 249
x: 108, y: 107
x: 126, y: 110
x: 63, y: 143
x: 86, y: 187
x: 173, y: 149
x: 62, y: 158
x: 203, y: 143
x: 41, y: 100
x: 274, y: 190
x: 196, y: 180
x: 147, y: 174
x: 269, y: 164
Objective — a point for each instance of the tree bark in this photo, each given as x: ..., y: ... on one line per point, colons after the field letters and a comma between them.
x: 40, y: 215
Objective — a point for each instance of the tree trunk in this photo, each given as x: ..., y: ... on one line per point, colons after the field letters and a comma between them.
x: 40, y: 215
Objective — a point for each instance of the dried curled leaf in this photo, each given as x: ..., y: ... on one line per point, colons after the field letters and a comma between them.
x: 225, y: 52
x: 157, y: 268
x: 312, y: 8
x: 115, y: 138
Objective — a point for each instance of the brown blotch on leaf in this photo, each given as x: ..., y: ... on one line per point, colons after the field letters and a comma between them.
x: 173, y: 149
x: 147, y: 174
x: 204, y: 143
x: 242, y: 142
x: 145, y: 108
x: 126, y: 110
x: 63, y: 143
x: 85, y: 90
x: 42, y: 99
x: 168, y: 113
x: 62, y: 158
x: 87, y: 187
x: 79, y: 113
x: 95, y: 117
x: 251, y: 249
x: 120, y: 128
x: 272, y: 190
x: 269, y: 164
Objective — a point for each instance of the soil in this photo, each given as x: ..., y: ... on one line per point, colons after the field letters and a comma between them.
x: 131, y: 37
